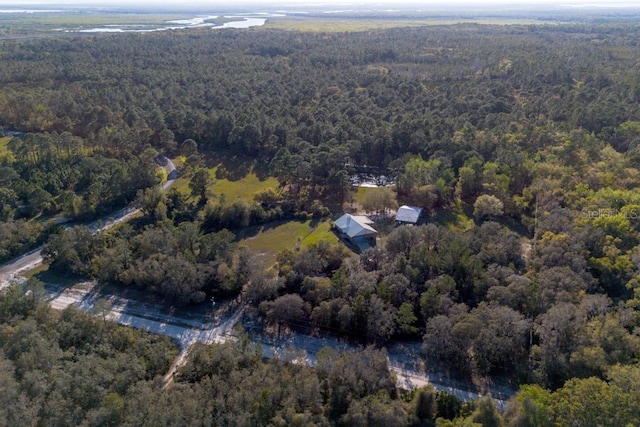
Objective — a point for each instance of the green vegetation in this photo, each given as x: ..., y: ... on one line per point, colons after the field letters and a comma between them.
x: 454, y: 220
x: 357, y: 198
x: 520, y: 143
x: 40, y: 23
x: 271, y: 239
x: 68, y: 367
x: 221, y: 20
x: 320, y: 233
x: 4, y: 151
x: 230, y: 177
x: 341, y: 24
x: 352, y: 24
x: 244, y: 188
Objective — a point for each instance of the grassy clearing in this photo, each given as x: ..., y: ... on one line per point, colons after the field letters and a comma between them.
x: 4, y: 151
x: 354, y: 200
x: 361, y: 193
x: 269, y: 239
x: 182, y: 185
x: 235, y: 178
x: 321, y: 232
x: 244, y: 188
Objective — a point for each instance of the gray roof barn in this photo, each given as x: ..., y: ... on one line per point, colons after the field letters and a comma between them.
x: 408, y: 214
x: 355, y: 226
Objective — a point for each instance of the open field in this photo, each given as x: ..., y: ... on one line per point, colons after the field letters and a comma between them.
x: 321, y: 232
x: 51, y: 21
x: 266, y: 240
x: 352, y: 24
x: 46, y: 24
x: 269, y: 239
x: 244, y: 188
x: 353, y: 202
x: 243, y: 183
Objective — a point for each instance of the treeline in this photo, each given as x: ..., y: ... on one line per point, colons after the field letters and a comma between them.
x: 178, y: 262
x: 519, y: 141
x: 69, y: 368
x: 18, y: 236
x: 542, y: 306
x: 52, y: 173
x: 478, y: 304
x: 369, y: 98
x: 49, y: 174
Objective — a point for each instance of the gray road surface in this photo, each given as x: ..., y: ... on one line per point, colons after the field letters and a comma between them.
x: 11, y: 270
x: 403, y: 358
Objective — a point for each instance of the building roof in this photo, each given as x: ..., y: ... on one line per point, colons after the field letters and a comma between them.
x: 362, y: 219
x: 355, y: 226
x: 408, y: 214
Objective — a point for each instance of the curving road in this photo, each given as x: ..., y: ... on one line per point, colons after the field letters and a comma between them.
x: 404, y: 359
x: 145, y: 313
x: 188, y: 330
x: 11, y: 270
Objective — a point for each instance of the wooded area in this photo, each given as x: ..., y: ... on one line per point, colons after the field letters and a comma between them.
x: 530, y: 133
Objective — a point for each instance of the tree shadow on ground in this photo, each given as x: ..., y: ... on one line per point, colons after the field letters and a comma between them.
x: 254, y: 230
x: 56, y: 283
x: 234, y: 167
x: 331, y: 198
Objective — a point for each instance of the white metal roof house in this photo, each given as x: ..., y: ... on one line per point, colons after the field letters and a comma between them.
x: 408, y: 214
x: 357, y: 230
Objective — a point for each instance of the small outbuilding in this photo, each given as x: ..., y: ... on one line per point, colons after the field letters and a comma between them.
x: 356, y: 230
x: 408, y: 214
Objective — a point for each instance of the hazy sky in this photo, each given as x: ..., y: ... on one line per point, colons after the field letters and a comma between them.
x: 345, y: 3
x: 327, y: 5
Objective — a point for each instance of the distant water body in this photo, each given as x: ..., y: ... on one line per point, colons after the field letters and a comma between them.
x: 30, y: 11
x: 247, y: 21
x: 237, y: 21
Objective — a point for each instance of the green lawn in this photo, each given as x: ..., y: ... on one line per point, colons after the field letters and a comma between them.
x: 321, y: 232
x: 354, y: 200
x: 238, y: 180
x: 361, y: 192
x: 244, y: 188
x: 269, y: 239
x: 4, y: 141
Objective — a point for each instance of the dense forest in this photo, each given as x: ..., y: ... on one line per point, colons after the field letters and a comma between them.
x: 530, y: 133
x: 70, y: 368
